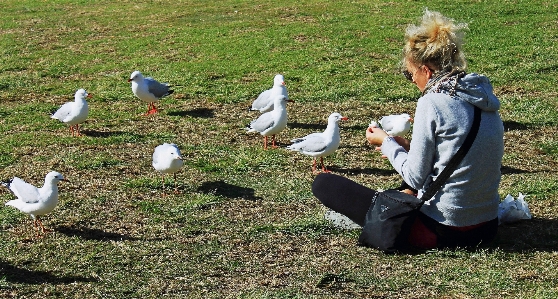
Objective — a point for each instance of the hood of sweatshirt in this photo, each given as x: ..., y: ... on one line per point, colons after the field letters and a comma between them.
x: 477, y: 90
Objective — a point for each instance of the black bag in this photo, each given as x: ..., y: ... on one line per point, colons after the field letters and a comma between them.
x: 388, y: 221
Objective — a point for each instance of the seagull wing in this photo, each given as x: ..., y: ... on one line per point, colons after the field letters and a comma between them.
x: 296, y: 140
x: 24, y: 191
x: 312, y: 143
x: 387, y: 123
x: 157, y: 153
x: 159, y: 90
x: 263, y: 101
x: 63, y: 112
x: 262, y: 123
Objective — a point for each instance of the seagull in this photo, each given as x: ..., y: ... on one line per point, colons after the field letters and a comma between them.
x: 74, y: 113
x: 272, y: 122
x: 320, y: 144
x: 148, y: 90
x: 35, y: 201
x: 167, y: 159
x: 264, y: 102
x: 397, y: 124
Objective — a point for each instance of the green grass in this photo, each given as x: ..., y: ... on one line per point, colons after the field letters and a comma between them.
x: 245, y: 224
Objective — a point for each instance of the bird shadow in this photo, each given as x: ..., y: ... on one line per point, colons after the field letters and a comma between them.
x: 511, y: 125
x: 355, y: 128
x: 15, y: 274
x: 198, y: 113
x: 103, y: 134
x: 511, y: 170
x: 221, y: 188
x: 537, y: 234
x: 359, y: 171
x: 297, y: 125
x: 92, y: 234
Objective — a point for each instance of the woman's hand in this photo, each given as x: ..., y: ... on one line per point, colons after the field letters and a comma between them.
x: 375, y: 135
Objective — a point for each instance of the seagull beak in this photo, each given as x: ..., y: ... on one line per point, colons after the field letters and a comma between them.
x: 179, y: 158
x: 283, y: 83
x: 290, y: 101
x: 344, y: 118
x: 129, y: 80
x: 411, y: 119
x: 89, y: 95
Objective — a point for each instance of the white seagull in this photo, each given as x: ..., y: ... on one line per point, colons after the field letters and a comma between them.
x: 320, y: 144
x: 264, y: 102
x: 148, y: 90
x: 167, y: 159
x: 273, y: 122
x: 35, y: 201
x: 396, y: 125
x: 74, y: 113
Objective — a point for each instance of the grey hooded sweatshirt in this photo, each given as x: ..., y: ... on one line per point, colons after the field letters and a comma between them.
x: 441, y: 123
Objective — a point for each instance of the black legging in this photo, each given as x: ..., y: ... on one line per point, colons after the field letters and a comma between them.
x: 343, y: 196
x: 353, y: 200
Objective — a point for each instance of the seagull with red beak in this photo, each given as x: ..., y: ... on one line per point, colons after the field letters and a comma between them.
x: 148, y: 90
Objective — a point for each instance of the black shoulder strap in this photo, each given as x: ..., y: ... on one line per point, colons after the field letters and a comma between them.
x: 455, y: 160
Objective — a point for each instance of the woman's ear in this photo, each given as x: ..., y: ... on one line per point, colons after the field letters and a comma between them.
x: 428, y: 72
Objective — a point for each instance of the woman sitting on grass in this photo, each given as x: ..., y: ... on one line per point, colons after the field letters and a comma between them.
x: 464, y: 211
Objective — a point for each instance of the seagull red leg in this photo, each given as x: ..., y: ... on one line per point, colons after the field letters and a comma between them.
x: 43, y: 229
x: 152, y: 109
x: 273, y: 141
x: 265, y: 142
x: 323, y: 166
x: 77, y: 130
x: 314, y: 166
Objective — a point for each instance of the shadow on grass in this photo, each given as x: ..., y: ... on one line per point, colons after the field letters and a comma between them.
x: 536, y: 234
x: 334, y: 282
x: 316, y: 127
x: 19, y: 275
x: 92, y: 234
x: 513, y: 125
x: 104, y: 134
x: 358, y: 171
x: 227, y: 190
x: 198, y: 112
x: 511, y: 170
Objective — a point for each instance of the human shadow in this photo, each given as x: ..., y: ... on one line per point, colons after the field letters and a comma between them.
x: 92, y: 234
x: 537, y: 234
x: 198, y: 113
x: 221, y: 188
x: 14, y: 274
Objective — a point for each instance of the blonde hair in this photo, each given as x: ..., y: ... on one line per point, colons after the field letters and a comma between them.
x: 437, y: 43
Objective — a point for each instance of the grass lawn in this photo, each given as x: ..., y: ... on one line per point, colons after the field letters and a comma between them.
x: 245, y: 224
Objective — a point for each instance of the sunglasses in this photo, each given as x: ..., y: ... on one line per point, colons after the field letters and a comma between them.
x: 408, y: 75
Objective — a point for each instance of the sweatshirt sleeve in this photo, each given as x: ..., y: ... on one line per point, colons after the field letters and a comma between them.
x: 416, y: 166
